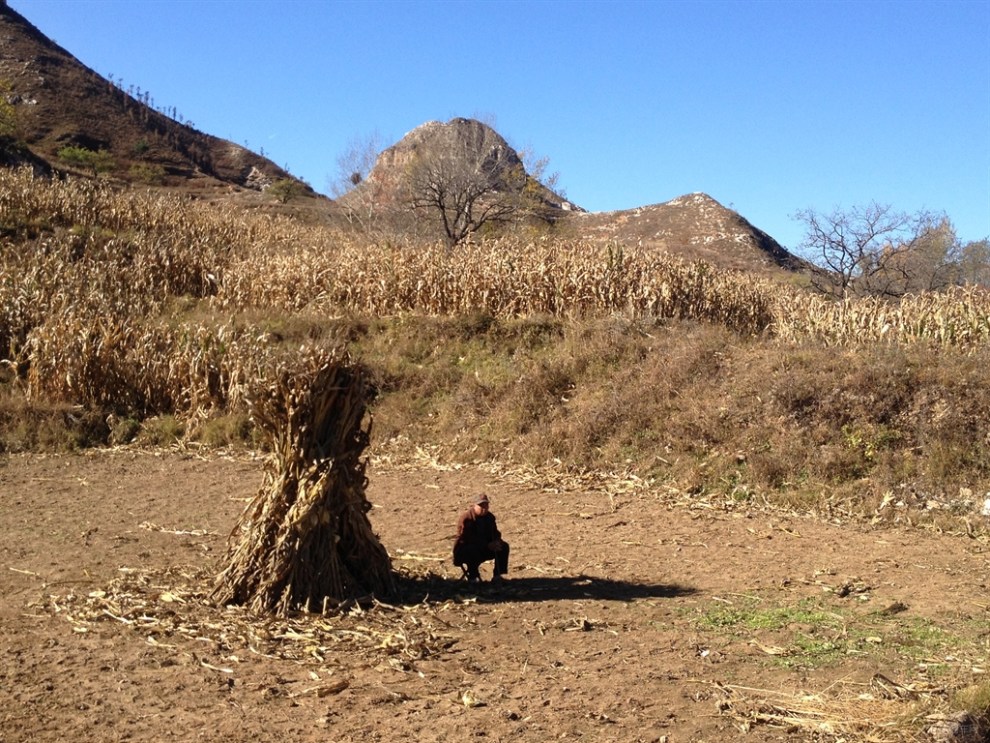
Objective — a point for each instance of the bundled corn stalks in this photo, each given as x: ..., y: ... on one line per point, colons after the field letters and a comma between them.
x: 305, y: 542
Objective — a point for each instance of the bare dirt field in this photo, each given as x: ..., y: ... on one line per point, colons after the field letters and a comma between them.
x: 629, y: 615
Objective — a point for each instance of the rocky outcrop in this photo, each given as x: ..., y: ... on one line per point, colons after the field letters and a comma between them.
x: 456, y: 135
x: 462, y: 137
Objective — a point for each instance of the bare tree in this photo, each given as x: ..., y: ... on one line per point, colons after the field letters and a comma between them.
x: 974, y: 263
x: 929, y: 261
x: 466, y: 177
x: 358, y: 198
x: 875, y: 250
x: 355, y: 163
x: 538, y: 169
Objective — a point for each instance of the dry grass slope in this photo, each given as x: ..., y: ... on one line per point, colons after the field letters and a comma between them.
x: 144, y: 306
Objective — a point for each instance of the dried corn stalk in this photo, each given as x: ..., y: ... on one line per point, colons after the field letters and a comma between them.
x: 305, y: 542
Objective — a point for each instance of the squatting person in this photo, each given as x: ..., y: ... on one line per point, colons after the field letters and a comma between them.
x: 479, y: 540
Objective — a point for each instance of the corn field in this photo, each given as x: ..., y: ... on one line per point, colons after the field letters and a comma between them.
x: 90, y: 278
x: 499, y: 277
x: 959, y: 318
x: 129, y: 368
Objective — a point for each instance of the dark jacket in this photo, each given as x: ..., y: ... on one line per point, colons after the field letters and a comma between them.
x: 475, y: 533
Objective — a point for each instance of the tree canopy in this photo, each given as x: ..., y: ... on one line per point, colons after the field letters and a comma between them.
x: 879, y: 251
x: 465, y: 183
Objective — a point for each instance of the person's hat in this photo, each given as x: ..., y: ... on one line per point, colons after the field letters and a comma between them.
x: 479, y: 499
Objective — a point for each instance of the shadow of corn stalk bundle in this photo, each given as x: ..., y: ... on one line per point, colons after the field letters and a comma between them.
x: 305, y: 541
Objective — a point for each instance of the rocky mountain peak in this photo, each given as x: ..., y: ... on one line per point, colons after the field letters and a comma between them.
x: 459, y: 138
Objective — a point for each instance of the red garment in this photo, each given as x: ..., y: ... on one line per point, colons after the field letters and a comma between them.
x: 475, y: 535
x: 476, y: 531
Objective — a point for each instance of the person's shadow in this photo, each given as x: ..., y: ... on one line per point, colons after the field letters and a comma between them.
x: 432, y: 587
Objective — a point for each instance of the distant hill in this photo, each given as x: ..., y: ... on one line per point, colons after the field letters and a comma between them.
x: 694, y: 226
x: 386, y: 184
x: 59, y: 102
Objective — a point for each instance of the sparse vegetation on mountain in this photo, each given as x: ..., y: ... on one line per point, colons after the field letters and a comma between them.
x: 8, y: 116
x: 147, y: 173
x: 285, y: 190
x: 93, y: 161
x: 100, y: 114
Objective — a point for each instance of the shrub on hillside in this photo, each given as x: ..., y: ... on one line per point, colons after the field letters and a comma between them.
x: 94, y: 161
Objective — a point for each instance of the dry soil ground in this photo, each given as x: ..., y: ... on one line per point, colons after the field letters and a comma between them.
x: 629, y: 615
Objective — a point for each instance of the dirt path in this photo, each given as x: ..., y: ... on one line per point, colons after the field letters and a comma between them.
x: 626, y: 617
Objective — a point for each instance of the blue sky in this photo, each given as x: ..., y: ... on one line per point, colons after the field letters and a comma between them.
x: 769, y: 106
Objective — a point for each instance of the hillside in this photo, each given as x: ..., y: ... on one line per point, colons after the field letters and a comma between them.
x: 693, y: 226
x: 59, y: 102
